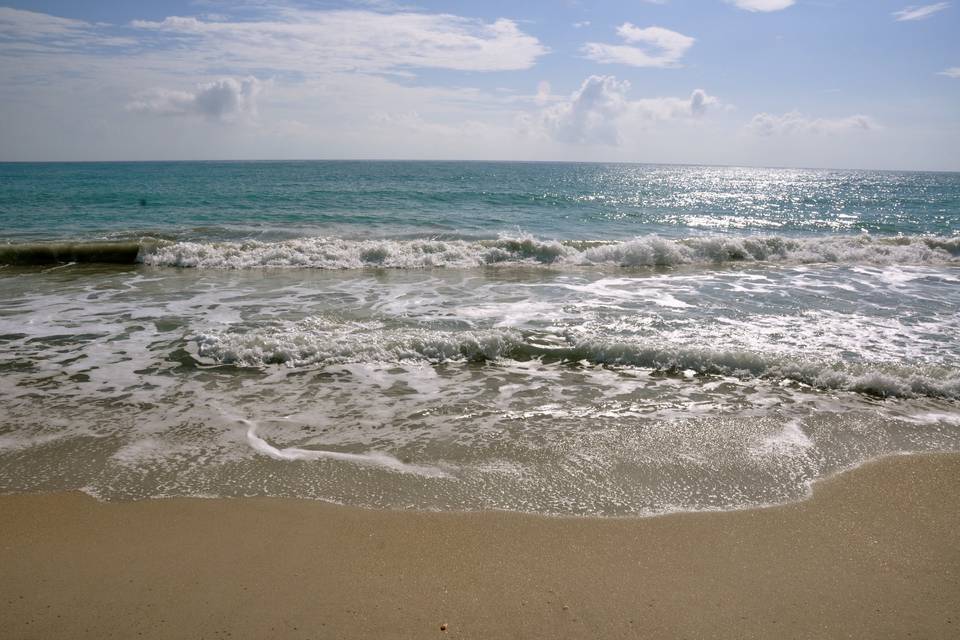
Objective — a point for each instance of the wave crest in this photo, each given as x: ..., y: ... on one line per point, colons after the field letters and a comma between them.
x: 647, y: 251
x: 38, y: 253
x: 523, y: 249
x: 315, y: 342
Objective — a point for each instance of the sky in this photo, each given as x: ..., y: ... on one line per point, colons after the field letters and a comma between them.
x: 871, y: 84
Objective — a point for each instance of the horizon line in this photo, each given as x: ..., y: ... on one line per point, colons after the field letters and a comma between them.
x: 618, y: 162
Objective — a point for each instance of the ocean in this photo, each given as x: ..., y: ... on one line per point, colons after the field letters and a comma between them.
x: 553, y: 338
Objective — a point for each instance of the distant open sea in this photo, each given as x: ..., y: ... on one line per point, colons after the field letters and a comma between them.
x: 556, y: 338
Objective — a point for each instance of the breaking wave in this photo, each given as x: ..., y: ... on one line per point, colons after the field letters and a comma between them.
x: 314, y: 343
x: 647, y: 251
x: 126, y: 252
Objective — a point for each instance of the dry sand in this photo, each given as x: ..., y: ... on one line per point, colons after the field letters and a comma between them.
x: 874, y: 554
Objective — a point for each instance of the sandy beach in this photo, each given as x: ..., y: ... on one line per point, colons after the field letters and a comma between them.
x: 872, y: 554
x: 535, y: 320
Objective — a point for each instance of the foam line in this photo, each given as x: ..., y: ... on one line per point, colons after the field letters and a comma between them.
x: 646, y: 251
x: 312, y: 344
x: 376, y: 459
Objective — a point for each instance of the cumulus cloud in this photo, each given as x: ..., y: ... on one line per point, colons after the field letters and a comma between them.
x: 600, y: 109
x: 225, y: 100
x: 794, y: 122
x: 919, y: 12
x: 762, y: 5
x: 591, y: 113
x: 952, y: 72
x: 342, y: 40
x: 669, y: 108
x: 659, y: 47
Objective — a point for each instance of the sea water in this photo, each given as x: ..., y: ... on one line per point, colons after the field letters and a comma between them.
x: 597, y: 339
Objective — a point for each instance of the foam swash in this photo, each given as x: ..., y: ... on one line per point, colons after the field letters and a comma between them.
x: 576, y: 339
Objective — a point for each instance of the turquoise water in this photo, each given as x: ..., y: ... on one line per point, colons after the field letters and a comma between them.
x: 276, y: 200
x: 584, y: 339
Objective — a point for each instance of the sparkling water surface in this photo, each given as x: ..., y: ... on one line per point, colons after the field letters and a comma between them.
x: 274, y: 200
x: 555, y: 338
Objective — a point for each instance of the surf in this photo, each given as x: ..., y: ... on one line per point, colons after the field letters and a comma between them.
x: 646, y: 251
x: 313, y: 343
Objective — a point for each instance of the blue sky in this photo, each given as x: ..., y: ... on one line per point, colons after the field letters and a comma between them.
x: 826, y: 83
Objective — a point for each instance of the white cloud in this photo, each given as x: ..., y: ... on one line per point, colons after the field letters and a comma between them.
x: 328, y: 72
x: 591, y: 113
x: 600, y: 111
x: 30, y: 24
x: 952, y: 72
x: 226, y: 100
x: 762, y: 5
x: 335, y: 90
x: 312, y: 41
x: 794, y: 122
x: 40, y: 32
x: 919, y: 12
x: 663, y: 47
x: 659, y: 109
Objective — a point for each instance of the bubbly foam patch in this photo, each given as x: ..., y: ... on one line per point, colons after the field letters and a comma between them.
x: 648, y: 251
x: 551, y: 390
x: 317, y: 342
x: 791, y: 440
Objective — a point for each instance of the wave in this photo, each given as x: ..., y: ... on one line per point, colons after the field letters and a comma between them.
x: 124, y: 252
x: 648, y: 251
x: 312, y: 342
x: 523, y: 249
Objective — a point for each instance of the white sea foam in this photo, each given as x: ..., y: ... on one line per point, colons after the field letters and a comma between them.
x: 571, y: 390
x: 790, y: 440
x: 648, y: 251
x: 317, y: 342
x: 373, y: 458
x: 932, y: 418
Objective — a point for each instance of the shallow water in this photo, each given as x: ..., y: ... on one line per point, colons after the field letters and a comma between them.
x: 599, y: 373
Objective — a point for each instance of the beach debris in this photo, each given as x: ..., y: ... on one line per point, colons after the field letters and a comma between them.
x: 443, y: 627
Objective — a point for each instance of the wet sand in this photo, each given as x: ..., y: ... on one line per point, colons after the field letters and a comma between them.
x: 874, y: 554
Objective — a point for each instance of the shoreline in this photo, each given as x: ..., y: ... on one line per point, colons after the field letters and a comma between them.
x: 871, y: 553
x: 812, y: 485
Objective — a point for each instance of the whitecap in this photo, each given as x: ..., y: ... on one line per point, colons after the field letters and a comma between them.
x: 646, y: 251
